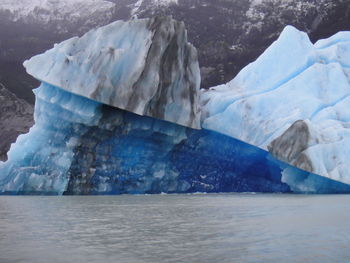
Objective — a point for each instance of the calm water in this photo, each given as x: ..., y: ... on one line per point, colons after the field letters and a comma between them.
x: 175, y: 228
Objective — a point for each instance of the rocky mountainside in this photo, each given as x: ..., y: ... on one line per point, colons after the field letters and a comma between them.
x: 29, y: 27
x: 60, y: 15
x: 229, y: 34
x: 16, y: 117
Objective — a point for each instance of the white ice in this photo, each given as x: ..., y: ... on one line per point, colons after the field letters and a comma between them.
x: 292, y: 80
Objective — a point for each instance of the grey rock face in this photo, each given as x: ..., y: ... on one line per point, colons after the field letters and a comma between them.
x: 289, y: 147
x: 16, y: 117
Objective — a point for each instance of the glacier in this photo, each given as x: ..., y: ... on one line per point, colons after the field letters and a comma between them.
x: 119, y: 111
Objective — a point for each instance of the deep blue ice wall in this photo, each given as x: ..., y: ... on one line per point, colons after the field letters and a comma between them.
x: 127, y: 153
x: 79, y: 146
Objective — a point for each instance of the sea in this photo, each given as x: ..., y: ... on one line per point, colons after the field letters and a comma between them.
x: 189, y: 228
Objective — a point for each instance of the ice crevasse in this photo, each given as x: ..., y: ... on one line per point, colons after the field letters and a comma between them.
x: 119, y: 111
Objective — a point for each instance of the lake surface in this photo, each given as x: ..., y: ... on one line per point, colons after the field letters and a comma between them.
x: 175, y: 228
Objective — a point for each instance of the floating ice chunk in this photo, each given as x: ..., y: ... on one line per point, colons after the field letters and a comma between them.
x: 144, y: 66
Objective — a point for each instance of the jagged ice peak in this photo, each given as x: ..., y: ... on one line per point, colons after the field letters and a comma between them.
x: 145, y: 66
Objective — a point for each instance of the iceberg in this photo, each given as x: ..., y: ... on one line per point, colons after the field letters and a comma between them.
x: 80, y: 146
x: 119, y: 111
x: 145, y: 66
x: 292, y: 101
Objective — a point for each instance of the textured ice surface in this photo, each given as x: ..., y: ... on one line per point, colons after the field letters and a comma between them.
x: 291, y: 101
x: 79, y: 146
x: 294, y: 101
x: 144, y: 66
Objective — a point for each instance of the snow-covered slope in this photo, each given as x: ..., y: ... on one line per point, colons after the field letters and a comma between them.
x: 145, y: 66
x: 294, y: 101
x: 63, y: 12
x: 141, y: 5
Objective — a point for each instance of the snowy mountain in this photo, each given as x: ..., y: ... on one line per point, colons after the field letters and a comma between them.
x: 142, y: 5
x: 62, y: 13
x: 16, y: 117
x: 29, y: 27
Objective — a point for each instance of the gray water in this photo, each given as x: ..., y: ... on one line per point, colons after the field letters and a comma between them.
x: 175, y: 228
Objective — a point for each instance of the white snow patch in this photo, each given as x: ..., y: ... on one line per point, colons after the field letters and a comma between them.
x: 56, y: 10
